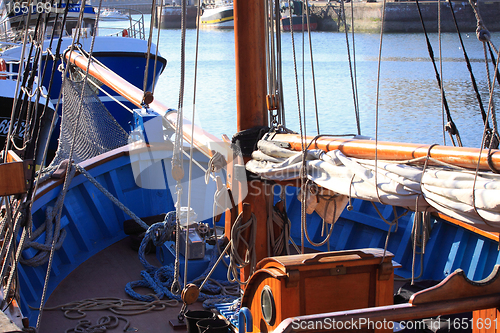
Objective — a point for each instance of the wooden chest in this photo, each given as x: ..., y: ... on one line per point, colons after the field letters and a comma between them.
x: 288, y: 286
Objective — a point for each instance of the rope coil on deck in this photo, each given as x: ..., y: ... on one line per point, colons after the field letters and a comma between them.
x: 160, y: 279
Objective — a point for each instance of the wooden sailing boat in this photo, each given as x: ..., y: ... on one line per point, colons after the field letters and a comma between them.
x: 95, y: 222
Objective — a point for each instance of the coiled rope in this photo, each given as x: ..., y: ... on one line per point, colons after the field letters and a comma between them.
x: 160, y: 279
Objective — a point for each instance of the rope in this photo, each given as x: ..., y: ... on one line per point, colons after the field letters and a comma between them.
x: 160, y: 279
x: 110, y: 196
x: 312, y: 64
x: 352, y: 70
x: 469, y: 68
x: 450, y: 126
x: 237, y: 262
x: 68, y: 171
x: 215, y: 164
x: 377, y: 101
x: 148, y: 55
x: 116, y: 305
x: 278, y: 245
x: 102, y: 325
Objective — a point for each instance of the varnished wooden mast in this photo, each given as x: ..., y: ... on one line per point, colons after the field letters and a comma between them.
x: 249, y: 40
x: 251, y: 89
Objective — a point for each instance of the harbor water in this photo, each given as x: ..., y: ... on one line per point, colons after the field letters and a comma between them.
x: 409, y: 104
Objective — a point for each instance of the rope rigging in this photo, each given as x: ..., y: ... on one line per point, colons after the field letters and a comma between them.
x: 473, y: 80
x: 352, y: 63
x: 450, y: 126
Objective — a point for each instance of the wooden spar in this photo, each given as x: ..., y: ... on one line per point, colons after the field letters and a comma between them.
x: 396, y: 151
x: 203, y: 140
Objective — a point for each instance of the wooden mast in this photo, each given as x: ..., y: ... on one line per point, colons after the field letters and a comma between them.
x: 251, y: 89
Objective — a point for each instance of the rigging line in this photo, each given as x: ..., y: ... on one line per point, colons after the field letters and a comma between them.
x: 47, y: 97
x: 148, y: 55
x: 482, y: 144
x: 302, y: 134
x: 327, y: 238
x: 21, y: 65
x: 31, y: 139
x: 277, y: 29
x: 176, y: 159
x: 441, y: 87
x: 110, y: 96
x: 312, y: 66
x: 27, y: 205
x: 157, y: 48
x: 452, y: 129
x: 491, y: 104
x: 378, y: 99
x: 354, y: 69
x: 493, y: 113
x: 49, y: 90
x: 191, y: 148
x: 353, y: 87
x: 69, y: 174
x: 269, y: 49
x: 469, y: 67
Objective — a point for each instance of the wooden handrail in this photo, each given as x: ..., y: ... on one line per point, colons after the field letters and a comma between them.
x: 397, y: 151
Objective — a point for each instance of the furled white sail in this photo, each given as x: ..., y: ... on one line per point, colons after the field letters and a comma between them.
x: 456, y: 192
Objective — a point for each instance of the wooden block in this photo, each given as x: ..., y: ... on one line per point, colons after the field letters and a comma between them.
x: 485, y: 321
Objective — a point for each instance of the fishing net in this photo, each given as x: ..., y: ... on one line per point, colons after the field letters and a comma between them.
x: 87, y: 119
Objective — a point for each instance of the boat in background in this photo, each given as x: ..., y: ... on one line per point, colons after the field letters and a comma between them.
x: 114, y: 14
x: 217, y: 15
x: 168, y: 15
x: 122, y: 48
x: 297, y: 17
x: 35, y: 109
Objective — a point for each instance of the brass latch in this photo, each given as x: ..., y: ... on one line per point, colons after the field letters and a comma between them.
x: 341, y: 270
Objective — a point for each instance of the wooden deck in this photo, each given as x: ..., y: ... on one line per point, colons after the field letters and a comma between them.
x: 105, y: 275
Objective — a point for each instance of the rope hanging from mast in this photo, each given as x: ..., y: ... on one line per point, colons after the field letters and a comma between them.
x: 450, y: 126
x: 474, y: 83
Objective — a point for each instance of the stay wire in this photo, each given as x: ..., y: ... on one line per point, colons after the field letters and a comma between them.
x: 69, y: 174
x: 378, y: 99
x: 450, y: 127
x: 302, y: 126
x: 469, y: 68
x: 352, y: 70
x: 148, y: 54
x: 157, y: 48
x: 312, y: 67
x: 191, y: 149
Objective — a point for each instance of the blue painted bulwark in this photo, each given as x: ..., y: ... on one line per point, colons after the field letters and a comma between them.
x: 448, y: 246
x: 93, y: 222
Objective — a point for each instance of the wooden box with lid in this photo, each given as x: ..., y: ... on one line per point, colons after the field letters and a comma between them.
x: 288, y: 286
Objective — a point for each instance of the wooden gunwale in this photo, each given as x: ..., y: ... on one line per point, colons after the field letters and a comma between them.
x: 396, y: 151
x: 91, y: 163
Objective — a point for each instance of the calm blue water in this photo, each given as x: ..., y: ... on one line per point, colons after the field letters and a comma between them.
x: 409, y: 102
